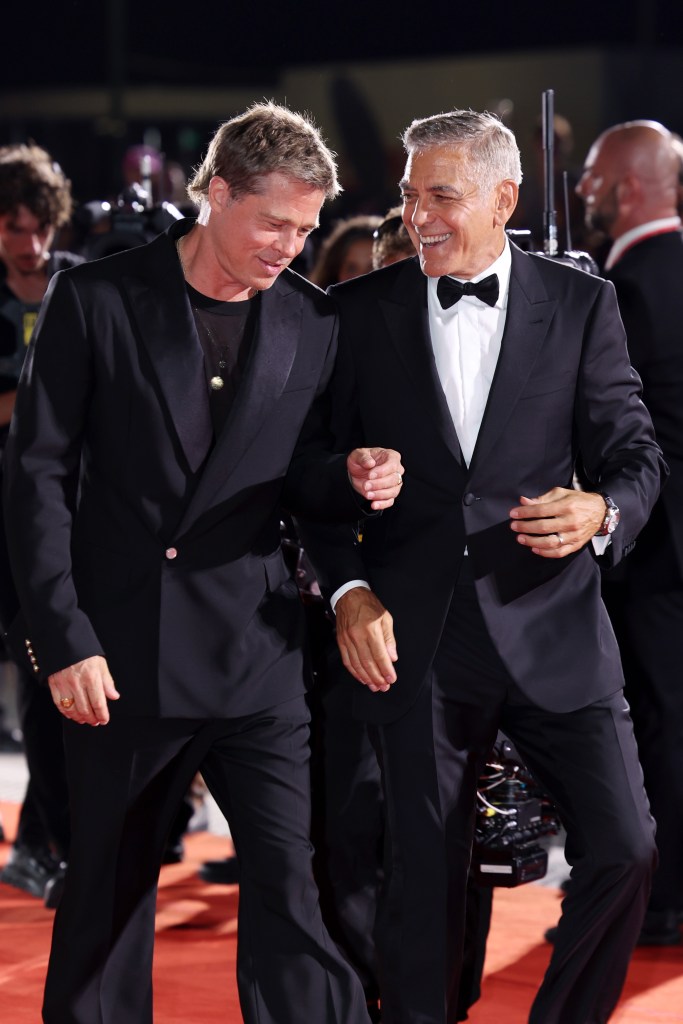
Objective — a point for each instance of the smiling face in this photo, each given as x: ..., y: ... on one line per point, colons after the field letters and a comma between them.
x: 456, y: 226
x: 255, y: 237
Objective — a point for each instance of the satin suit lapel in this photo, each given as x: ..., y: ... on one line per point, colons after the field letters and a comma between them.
x: 166, y: 327
x: 529, y: 315
x: 405, y: 314
x: 270, y: 362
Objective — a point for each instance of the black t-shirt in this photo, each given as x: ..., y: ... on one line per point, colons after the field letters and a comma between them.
x: 226, y: 331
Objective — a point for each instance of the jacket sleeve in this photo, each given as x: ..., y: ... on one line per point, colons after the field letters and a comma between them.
x: 41, y: 474
x: 317, y: 486
x: 333, y: 547
x: 616, y: 437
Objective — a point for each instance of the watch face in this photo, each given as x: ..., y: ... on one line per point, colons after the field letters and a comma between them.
x: 612, y: 517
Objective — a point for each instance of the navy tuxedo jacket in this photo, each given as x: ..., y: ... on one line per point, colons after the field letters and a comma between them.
x: 131, y: 533
x: 563, y: 394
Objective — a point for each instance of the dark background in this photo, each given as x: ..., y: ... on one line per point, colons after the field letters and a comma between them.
x: 73, y: 75
x: 67, y: 42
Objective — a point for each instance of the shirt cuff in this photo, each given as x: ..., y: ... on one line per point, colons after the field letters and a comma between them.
x: 347, y: 586
x: 600, y: 544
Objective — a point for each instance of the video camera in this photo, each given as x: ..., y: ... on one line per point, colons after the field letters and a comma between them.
x: 513, y: 813
x: 108, y: 228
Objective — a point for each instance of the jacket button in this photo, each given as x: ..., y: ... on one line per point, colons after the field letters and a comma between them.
x: 469, y: 498
x: 171, y: 553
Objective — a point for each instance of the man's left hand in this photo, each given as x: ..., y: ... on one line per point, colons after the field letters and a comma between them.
x: 558, y: 522
x: 376, y: 474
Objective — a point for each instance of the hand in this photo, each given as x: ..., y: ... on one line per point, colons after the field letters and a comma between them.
x: 558, y: 522
x: 90, y: 685
x: 376, y: 474
x: 365, y: 635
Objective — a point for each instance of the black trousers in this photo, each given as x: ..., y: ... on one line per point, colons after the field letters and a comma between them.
x: 649, y: 628
x: 126, y: 780
x: 432, y: 757
x: 349, y: 837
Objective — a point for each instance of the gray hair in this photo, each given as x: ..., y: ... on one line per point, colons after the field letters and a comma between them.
x: 490, y: 148
x: 266, y: 138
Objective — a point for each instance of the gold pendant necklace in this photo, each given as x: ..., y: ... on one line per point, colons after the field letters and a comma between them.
x: 217, y: 382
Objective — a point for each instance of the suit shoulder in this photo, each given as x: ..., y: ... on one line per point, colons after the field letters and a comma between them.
x: 562, y: 280
x: 320, y: 299
x: 112, y: 267
x: 378, y: 282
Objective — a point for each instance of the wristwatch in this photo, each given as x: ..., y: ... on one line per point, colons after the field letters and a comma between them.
x: 612, y: 517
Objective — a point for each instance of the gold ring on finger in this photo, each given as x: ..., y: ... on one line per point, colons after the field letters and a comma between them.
x: 67, y: 702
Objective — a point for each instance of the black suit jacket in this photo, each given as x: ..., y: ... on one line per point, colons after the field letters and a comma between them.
x: 131, y: 534
x: 563, y: 391
x: 649, y: 283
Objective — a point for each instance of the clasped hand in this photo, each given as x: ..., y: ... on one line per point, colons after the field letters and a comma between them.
x: 376, y: 474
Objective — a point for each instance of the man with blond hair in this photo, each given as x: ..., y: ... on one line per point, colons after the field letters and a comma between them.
x: 168, y: 409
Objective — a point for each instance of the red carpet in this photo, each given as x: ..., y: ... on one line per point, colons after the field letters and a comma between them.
x: 195, y: 952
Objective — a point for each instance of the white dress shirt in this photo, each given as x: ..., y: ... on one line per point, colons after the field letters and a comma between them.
x: 466, y: 340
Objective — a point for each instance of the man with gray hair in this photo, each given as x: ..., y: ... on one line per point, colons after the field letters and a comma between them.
x: 169, y: 407
x: 474, y: 603
x: 630, y: 190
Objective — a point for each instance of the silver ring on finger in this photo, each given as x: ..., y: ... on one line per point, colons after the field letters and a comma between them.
x: 560, y: 538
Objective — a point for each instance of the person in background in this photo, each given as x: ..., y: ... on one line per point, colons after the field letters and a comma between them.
x: 390, y: 240
x: 35, y: 203
x: 172, y: 401
x: 630, y: 190
x: 346, y: 252
x: 474, y: 603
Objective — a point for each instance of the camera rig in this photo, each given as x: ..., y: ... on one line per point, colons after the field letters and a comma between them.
x: 512, y: 814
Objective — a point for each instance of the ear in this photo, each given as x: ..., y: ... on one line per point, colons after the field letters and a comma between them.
x: 219, y: 192
x: 628, y: 192
x: 507, y: 194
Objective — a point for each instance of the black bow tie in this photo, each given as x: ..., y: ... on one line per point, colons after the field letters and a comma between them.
x: 451, y: 291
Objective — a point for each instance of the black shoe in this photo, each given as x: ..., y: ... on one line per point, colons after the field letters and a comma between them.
x: 55, y: 888
x: 550, y: 935
x: 220, y: 872
x: 660, y: 928
x: 30, y: 869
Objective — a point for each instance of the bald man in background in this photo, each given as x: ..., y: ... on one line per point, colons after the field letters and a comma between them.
x: 630, y: 190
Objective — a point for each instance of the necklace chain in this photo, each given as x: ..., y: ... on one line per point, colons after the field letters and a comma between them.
x: 217, y: 382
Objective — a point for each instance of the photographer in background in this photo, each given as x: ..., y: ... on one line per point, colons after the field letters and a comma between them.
x: 35, y: 201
